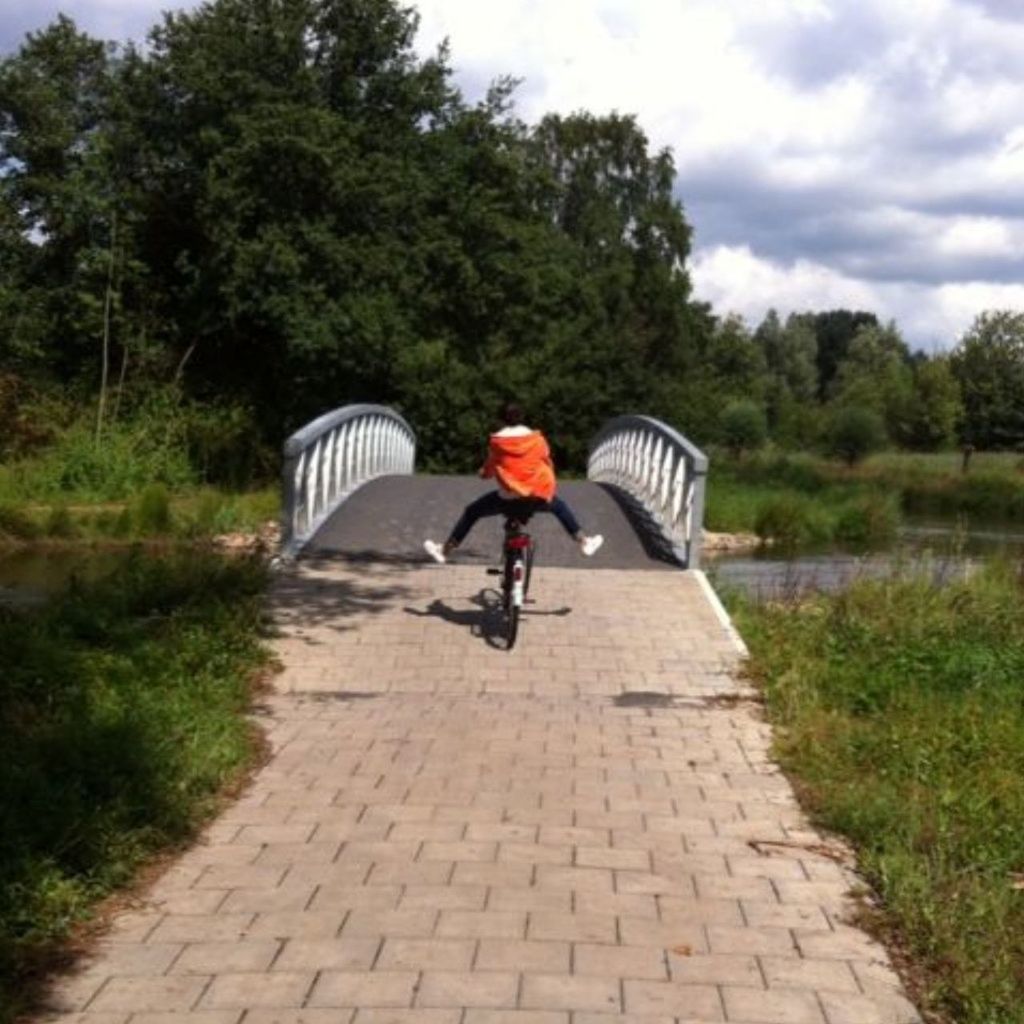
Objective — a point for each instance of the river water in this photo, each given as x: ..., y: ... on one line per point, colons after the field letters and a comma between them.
x: 940, y: 549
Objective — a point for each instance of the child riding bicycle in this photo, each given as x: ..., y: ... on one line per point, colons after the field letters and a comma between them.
x: 519, y: 459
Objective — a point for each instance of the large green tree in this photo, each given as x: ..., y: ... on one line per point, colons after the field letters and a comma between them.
x: 989, y: 364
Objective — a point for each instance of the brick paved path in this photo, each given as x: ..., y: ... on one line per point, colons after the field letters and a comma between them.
x: 449, y: 834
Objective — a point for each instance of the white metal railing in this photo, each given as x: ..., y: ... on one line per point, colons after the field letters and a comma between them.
x: 331, y: 457
x: 660, y: 469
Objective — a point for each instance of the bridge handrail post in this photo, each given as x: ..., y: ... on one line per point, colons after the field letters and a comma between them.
x: 333, y: 456
x: 660, y: 469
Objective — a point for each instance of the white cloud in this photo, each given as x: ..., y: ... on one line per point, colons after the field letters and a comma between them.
x: 735, y: 280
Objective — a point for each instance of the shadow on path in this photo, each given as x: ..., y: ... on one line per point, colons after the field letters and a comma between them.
x: 328, y: 602
x: 486, y: 622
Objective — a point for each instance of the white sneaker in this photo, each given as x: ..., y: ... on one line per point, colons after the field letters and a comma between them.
x: 591, y: 544
x: 435, y: 550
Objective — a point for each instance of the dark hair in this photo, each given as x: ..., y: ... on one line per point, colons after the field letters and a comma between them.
x: 511, y: 414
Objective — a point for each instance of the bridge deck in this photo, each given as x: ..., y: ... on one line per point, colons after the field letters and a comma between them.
x: 389, y: 518
x: 446, y: 833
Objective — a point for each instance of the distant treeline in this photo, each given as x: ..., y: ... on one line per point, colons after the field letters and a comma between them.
x: 277, y: 208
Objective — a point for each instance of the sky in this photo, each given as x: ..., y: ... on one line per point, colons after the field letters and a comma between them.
x: 830, y: 153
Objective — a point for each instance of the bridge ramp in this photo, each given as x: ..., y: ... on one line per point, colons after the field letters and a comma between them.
x: 388, y: 519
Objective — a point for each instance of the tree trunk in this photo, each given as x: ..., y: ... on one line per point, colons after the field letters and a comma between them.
x: 107, y: 303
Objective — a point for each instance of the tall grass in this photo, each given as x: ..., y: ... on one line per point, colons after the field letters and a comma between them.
x: 800, y: 498
x: 121, y: 717
x: 901, y: 714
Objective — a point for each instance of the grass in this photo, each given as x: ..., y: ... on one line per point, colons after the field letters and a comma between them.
x: 155, y: 512
x: 899, y: 712
x: 801, y: 499
x: 121, y: 720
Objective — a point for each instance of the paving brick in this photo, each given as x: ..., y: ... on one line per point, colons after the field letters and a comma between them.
x: 685, y: 1002
x: 426, y: 955
x: 572, y: 927
x: 246, y: 991
x: 419, y: 873
x: 559, y: 992
x: 309, y: 924
x: 226, y: 957
x: 700, y: 911
x: 714, y: 969
x: 364, y: 989
x: 171, y: 1017
x: 842, y: 943
x: 306, y: 1016
x: 768, y: 941
x: 378, y: 1015
x: 534, y: 853
x: 638, y: 931
x: 499, y: 875
x: 353, y: 897
x: 796, y: 972
x: 485, y: 924
x: 201, y: 928
x: 140, y: 994
x: 784, y: 915
x: 844, y: 1008
x: 443, y: 897
x: 523, y: 955
x: 122, y: 960
x: 257, y: 901
x: 478, y: 1016
x: 576, y: 879
x: 412, y: 924
x: 493, y: 989
x: 774, y: 1007
x: 327, y: 954
x: 460, y: 851
x: 620, y: 961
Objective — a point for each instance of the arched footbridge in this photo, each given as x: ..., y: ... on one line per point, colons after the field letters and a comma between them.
x: 588, y: 829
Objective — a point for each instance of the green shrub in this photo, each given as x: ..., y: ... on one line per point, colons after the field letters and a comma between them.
x: 791, y: 521
x: 122, y: 712
x: 15, y: 524
x: 855, y: 432
x: 899, y: 712
x: 59, y: 523
x: 868, y: 521
x: 743, y: 426
x: 152, y: 511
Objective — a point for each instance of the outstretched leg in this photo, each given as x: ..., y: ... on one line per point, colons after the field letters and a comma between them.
x: 490, y: 504
x: 560, y: 509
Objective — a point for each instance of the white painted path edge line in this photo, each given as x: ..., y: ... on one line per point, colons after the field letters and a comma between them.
x: 723, y: 616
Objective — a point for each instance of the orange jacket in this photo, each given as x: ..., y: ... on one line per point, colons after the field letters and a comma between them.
x: 521, y: 464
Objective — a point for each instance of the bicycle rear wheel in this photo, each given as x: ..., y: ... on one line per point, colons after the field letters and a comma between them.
x: 511, y: 608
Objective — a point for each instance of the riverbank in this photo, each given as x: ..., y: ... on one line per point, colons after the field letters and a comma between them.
x: 123, y: 717
x: 897, y: 712
x: 800, y: 500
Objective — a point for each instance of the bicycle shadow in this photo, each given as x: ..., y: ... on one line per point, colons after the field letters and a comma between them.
x: 486, y: 622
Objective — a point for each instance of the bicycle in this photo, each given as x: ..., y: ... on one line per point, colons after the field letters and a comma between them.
x: 517, y: 553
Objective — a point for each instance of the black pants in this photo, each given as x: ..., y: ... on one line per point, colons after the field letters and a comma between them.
x: 493, y: 504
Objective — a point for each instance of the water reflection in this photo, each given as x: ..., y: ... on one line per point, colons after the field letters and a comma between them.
x: 940, y: 550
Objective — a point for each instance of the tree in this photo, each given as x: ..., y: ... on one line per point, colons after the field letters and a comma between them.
x: 833, y: 331
x: 855, y: 431
x: 989, y: 364
x: 875, y: 374
x: 936, y: 406
x: 743, y: 427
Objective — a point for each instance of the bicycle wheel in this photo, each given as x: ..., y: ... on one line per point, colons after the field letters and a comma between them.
x: 531, y: 552
x: 511, y: 608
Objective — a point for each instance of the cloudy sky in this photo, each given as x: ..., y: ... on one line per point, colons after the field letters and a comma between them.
x: 859, y: 153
